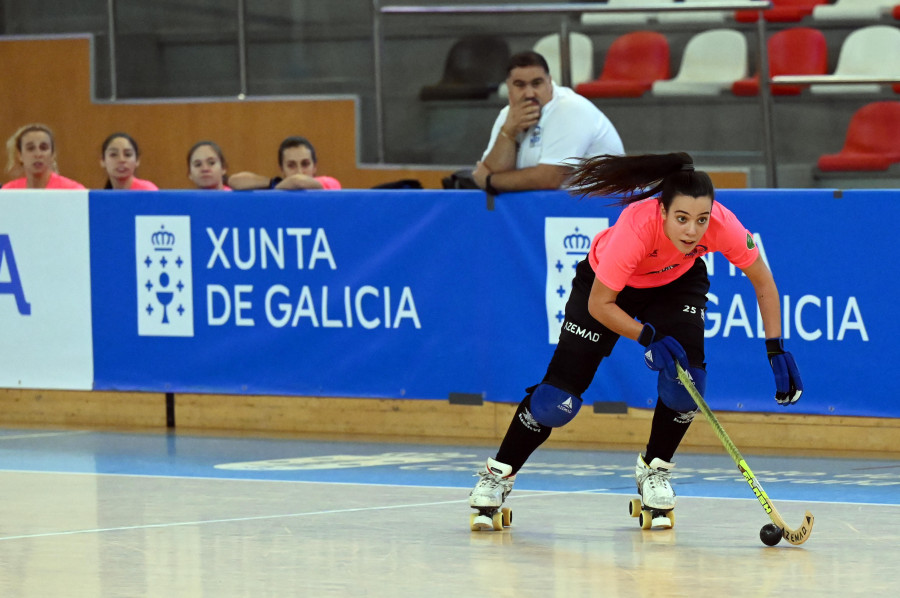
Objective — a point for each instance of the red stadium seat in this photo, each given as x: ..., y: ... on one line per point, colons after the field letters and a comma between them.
x: 634, y: 61
x: 797, y: 51
x: 871, y: 142
x: 782, y: 11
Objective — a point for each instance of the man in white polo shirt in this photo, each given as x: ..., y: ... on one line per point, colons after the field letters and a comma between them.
x: 538, y: 137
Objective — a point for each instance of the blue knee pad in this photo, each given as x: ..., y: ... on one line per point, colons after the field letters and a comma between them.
x: 675, y: 396
x: 553, y: 407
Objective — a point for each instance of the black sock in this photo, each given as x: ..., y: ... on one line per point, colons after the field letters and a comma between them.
x: 666, y: 432
x: 522, y: 438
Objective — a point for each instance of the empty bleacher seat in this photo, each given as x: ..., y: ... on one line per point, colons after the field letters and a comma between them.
x: 581, y: 56
x: 782, y: 11
x: 474, y: 68
x: 712, y: 61
x: 871, y: 141
x: 844, y: 10
x: 796, y: 51
x: 633, y: 62
x: 872, y: 51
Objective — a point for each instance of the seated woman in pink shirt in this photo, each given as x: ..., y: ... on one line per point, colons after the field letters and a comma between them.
x: 32, y: 152
x: 207, y: 167
x: 120, y: 157
x: 298, y: 164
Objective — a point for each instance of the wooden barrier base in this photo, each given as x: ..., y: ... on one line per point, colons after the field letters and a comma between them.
x: 54, y: 408
x: 430, y: 421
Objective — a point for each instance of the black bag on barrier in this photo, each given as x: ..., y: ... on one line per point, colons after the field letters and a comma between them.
x: 461, y: 179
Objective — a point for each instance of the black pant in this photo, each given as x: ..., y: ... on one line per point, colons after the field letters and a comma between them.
x: 675, y: 309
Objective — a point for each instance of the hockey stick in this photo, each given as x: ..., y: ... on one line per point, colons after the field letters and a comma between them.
x: 794, y: 536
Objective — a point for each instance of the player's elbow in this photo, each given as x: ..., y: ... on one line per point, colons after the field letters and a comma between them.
x: 597, y: 308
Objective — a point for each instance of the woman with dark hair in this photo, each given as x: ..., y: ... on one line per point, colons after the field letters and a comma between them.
x: 642, y: 279
x: 120, y: 157
x: 207, y: 167
x: 299, y: 170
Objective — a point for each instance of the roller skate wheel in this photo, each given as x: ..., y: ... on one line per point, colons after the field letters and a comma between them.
x: 662, y: 520
x: 506, y: 512
x: 634, y: 507
x: 645, y: 519
x: 480, y: 523
x: 497, y: 521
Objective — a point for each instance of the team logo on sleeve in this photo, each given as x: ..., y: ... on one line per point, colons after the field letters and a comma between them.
x: 750, y: 243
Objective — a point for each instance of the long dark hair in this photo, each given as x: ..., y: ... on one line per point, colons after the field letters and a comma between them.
x: 108, y: 140
x: 633, y: 178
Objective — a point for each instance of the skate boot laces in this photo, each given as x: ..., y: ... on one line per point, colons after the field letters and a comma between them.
x: 654, y: 479
x: 490, y: 482
x: 657, y: 480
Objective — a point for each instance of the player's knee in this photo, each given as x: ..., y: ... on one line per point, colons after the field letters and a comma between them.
x: 552, y: 406
x: 675, y: 396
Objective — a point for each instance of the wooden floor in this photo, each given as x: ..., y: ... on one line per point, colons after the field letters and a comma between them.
x: 115, y: 516
x: 84, y: 537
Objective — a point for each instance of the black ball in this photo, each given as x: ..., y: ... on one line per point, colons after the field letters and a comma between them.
x: 770, y: 534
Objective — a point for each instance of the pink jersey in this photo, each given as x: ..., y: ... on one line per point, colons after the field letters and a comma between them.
x: 56, y: 181
x: 635, y: 251
x: 142, y: 185
x: 329, y: 183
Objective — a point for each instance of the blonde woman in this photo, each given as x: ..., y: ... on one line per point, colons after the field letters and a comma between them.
x: 31, y: 152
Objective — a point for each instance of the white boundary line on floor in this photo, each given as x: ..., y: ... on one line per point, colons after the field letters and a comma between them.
x: 258, y: 517
x: 42, y: 435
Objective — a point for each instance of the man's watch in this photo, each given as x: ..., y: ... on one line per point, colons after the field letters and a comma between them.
x: 489, y: 187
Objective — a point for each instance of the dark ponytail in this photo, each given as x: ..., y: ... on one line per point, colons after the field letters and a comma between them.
x: 633, y: 178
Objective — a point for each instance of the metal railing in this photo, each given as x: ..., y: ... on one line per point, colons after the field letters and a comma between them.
x: 566, y: 11
x: 833, y: 79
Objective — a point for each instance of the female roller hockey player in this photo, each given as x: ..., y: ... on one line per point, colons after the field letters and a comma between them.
x: 643, y: 279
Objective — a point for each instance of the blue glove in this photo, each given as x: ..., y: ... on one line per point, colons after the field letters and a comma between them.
x: 788, y: 386
x: 662, y: 352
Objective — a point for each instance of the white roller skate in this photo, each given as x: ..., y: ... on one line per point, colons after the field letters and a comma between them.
x: 655, y: 507
x: 488, y: 495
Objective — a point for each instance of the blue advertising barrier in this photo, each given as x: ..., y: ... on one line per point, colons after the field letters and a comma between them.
x: 421, y: 294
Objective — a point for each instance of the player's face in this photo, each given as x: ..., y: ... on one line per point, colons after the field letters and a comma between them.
x: 529, y: 84
x: 206, y: 168
x: 297, y: 160
x: 37, y: 153
x: 120, y: 160
x: 686, y: 220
